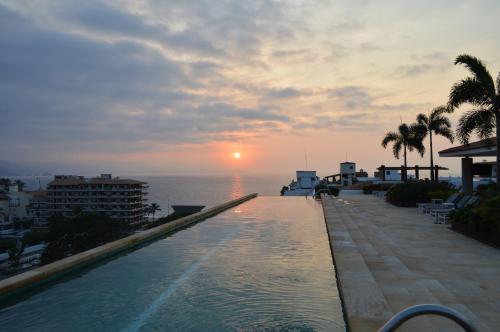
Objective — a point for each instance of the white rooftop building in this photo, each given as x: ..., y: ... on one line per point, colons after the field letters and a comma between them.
x: 304, y: 185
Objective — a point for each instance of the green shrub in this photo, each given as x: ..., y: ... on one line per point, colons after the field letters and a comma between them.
x: 410, y: 193
x: 489, y: 214
x: 440, y: 194
x: 483, y: 217
x: 487, y: 191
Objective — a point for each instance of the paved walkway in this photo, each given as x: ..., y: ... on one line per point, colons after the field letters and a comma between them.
x: 389, y: 258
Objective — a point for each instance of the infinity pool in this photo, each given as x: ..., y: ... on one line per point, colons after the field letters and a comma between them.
x: 264, y: 265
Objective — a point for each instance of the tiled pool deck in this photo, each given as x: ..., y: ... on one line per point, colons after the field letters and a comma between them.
x: 389, y: 258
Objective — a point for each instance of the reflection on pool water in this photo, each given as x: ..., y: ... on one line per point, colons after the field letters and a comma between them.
x: 264, y: 265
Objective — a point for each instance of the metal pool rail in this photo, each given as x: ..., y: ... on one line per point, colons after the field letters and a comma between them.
x: 426, y: 309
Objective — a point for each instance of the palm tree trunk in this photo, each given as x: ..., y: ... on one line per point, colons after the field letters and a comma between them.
x: 405, y: 173
x: 497, y: 116
x: 432, y: 157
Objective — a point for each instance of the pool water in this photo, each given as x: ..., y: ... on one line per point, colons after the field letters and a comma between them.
x: 264, y: 265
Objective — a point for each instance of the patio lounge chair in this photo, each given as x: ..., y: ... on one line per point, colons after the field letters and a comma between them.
x: 444, y: 216
x: 448, y: 207
x: 452, y: 199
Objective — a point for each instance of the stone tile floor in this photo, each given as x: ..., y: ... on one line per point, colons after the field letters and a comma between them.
x: 388, y: 258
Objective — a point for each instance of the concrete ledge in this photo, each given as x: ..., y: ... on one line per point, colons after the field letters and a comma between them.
x: 38, y: 276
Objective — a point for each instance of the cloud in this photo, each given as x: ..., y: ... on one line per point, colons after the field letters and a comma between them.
x: 67, y: 92
x: 428, y: 62
x: 280, y: 93
x: 109, y: 20
x: 413, y: 70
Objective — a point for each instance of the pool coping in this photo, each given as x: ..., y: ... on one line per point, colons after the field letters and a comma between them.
x: 41, y: 275
x: 337, y: 274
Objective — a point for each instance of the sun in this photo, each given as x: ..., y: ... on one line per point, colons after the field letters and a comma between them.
x: 237, y: 155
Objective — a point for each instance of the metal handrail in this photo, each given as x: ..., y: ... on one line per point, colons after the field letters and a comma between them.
x: 426, y: 309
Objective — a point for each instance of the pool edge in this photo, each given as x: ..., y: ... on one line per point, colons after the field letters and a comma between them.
x: 41, y: 275
x: 337, y: 275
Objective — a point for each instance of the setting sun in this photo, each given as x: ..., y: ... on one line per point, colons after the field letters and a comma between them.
x: 237, y: 155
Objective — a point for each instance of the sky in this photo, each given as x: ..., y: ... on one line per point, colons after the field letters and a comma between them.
x: 176, y: 87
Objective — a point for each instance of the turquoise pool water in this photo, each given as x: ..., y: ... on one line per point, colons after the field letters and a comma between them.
x: 264, y: 265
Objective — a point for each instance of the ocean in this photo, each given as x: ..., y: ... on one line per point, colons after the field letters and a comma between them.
x: 194, y: 190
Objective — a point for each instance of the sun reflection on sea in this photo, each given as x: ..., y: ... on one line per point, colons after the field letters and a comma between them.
x: 237, y: 188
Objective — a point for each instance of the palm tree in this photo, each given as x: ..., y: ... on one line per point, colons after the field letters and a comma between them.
x: 438, y: 124
x: 153, y: 208
x: 406, y: 138
x: 20, y: 185
x: 479, y: 91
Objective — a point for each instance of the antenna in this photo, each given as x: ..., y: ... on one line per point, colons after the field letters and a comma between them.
x: 400, y: 118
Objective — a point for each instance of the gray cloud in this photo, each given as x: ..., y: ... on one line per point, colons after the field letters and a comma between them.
x: 104, y: 19
x: 354, y: 98
x: 63, y: 92
x: 280, y: 93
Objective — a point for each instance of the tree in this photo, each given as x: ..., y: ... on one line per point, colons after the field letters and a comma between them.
x: 406, y: 138
x: 478, y: 90
x: 436, y: 123
x: 69, y: 236
x: 5, y: 183
x: 20, y: 184
x: 153, y: 208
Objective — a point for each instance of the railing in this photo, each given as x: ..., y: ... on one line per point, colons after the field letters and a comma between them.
x: 426, y: 309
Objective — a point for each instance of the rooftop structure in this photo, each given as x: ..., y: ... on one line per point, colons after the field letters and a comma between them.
x: 483, y: 148
x: 347, y: 173
x: 304, y: 185
x: 115, y: 197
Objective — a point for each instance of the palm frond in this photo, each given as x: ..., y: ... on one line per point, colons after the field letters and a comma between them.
x: 420, y: 148
x: 468, y: 90
x: 445, y: 132
x: 396, y: 148
x: 478, y: 69
x: 390, y: 137
x: 423, y: 119
x: 404, y: 130
x: 417, y: 131
x: 440, y: 121
x: 498, y: 85
x: 480, y: 121
x: 437, y: 111
x: 486, y: 124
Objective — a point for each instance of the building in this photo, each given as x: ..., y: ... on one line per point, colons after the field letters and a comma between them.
x: 389, y: 175
x: 6, y: 226
x: 347, y: 173
x: 484, y: 148
x: 307, y: 179
x: 117, y: 198
x: 39, y: 208
x: 14, y: 207
x: 304, y: 186
x: 361, y: 174
x: 485, y: 169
